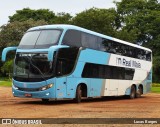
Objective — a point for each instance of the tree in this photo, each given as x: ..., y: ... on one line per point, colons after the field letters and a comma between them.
x: 156, y: 69
x: 41, y: 14
x: 11, y: 34
x: 142, y: 18
x: 36, y: 15
x: 100, y: 20
x: 7, y: 68
x: 129, y: 36
x: 62, y: 18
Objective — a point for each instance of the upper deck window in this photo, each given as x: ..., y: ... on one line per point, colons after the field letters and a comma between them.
x: 40, y: 39
x: 72, y: 38
x: 75, y: 38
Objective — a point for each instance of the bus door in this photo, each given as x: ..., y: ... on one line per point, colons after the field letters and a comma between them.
x: 61, y: 87
x: 61, y: 80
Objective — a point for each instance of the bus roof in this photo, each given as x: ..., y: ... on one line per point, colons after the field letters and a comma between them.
x: 66, y: 27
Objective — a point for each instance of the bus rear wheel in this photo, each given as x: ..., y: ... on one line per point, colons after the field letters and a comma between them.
x: 78, y: 94
x: 139, y: 92
x: 133, y: 92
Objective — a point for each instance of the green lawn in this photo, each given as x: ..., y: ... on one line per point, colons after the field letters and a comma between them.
x: 6, y: 83
x: 155, y: 87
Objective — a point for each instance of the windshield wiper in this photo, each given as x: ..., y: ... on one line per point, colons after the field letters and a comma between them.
x: 31, y: 63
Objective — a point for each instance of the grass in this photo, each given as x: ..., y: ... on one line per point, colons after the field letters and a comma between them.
x: 4, y: 81
x: 155, y: 84
x: 155, y: 89
x: 8, y: 83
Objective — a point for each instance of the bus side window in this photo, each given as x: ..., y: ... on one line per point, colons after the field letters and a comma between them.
x: 87, y: 71
x: 89, y: 41
x: 112, y: 48
x: 102, y: 44
x: 66, y: 60
x: 108, y: 72
x: 148, y: 56
x: 72, y: 38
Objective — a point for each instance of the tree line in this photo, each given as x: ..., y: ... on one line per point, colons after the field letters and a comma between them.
x: 135, y: 21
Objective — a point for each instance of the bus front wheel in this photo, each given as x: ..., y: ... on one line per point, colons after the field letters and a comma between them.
x: 78, y: 94
x: 45, y: 100
x: 133, y: 92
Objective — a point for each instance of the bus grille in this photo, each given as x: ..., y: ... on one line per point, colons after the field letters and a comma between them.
x: 29, y: 89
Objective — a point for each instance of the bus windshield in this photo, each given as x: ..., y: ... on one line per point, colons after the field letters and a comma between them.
x: 40, y: 39
x: 32, y: 67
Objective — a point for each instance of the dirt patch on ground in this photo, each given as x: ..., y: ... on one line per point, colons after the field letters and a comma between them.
x: 148, y: 106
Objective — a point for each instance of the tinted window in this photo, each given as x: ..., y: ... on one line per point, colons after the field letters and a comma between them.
x: 107, y: 72
x: 66, y: 60
x: 72, y: 38
x: 32, y: 67
x: 89, y: 41
x: 101, y: 44
x: 30, y: 38
x: 129, y: 73
x: 40, y: 39
x: 48, y: 37
x: 122, y: 49
x: 78, y: 39
x: 148, y: 56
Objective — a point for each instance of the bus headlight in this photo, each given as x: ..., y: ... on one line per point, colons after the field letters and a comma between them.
x: 15, y: 87
x: 46, y: 87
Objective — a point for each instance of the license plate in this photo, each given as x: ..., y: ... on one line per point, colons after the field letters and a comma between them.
x: 28, y: 95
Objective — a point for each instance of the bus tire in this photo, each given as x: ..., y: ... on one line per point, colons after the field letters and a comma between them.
x: 133, y: 92
x: 78, y: 94
x: 139, y: 92
x: 45, y: 100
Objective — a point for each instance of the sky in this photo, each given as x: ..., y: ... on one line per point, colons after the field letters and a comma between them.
x: 8, y: 7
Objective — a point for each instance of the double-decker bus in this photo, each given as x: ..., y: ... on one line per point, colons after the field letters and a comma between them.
x: 70, y: 62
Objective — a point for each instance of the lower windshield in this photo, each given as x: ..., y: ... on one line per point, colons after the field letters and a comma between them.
x: 32, y: 67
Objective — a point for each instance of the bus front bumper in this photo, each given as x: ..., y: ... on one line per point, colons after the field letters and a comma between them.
x: 45, y: 94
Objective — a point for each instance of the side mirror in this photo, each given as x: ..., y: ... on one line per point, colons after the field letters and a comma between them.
x: 5, y: 51
x: 52, y: 50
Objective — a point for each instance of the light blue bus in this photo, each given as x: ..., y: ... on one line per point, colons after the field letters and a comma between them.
x: 70, y: 62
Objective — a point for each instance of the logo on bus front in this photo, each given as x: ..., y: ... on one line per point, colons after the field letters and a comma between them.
x: 128, y: 63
